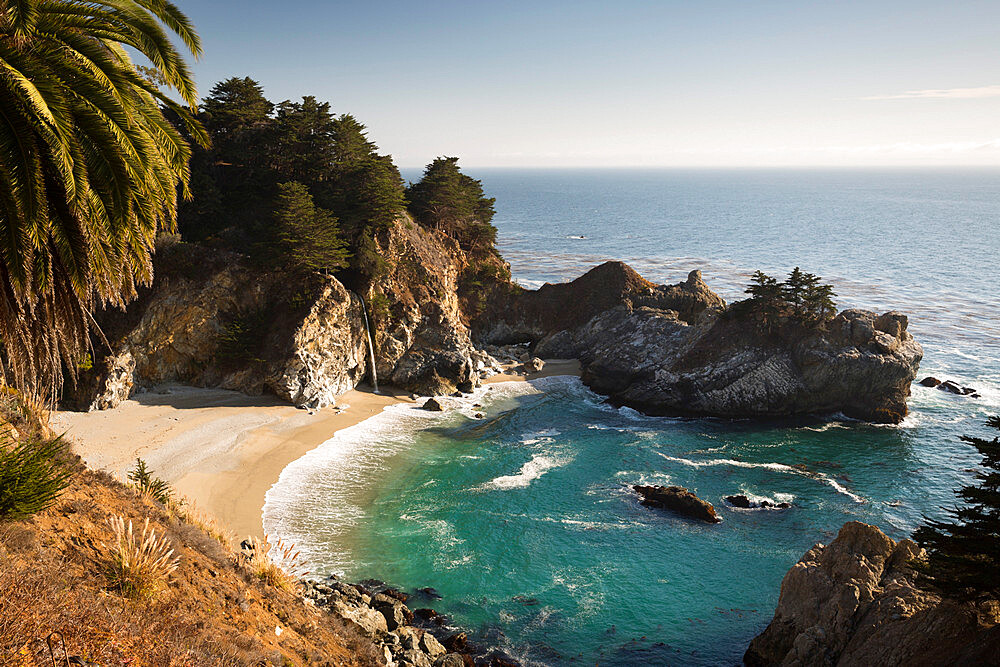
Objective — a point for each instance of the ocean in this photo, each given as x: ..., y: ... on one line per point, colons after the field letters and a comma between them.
x: 524, y: 522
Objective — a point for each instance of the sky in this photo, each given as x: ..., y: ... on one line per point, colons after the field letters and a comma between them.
x: 704, y: 83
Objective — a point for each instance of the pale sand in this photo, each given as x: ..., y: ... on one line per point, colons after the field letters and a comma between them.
x: 221, y: 449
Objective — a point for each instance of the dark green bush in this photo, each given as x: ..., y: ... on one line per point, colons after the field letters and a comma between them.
x: 32, y: 475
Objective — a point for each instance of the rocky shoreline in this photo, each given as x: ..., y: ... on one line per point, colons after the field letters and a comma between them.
x: 420, y: 637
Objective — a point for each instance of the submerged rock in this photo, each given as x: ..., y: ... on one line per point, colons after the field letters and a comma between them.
x: 855, y: 602
x: 744, y: 502
x: 677, y: 499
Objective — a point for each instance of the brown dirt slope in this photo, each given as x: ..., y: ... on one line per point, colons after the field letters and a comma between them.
x: 211, y: 612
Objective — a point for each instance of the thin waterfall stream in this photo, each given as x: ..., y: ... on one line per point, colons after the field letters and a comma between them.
x: 371, y: 345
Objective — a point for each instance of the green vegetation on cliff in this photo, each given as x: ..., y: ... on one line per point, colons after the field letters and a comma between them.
x: 801, y: 298
x: 317, y: 175
x: 963, y: 555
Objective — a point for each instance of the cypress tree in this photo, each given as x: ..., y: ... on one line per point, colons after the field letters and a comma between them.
x: 963, y: 554
x: 309, y: 238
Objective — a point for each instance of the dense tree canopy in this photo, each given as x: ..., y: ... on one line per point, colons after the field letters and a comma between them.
x: 90, y: 170
x: 308, y: 238
x: 453, y: 202
x: 801, y: 297
x: 963, y: 555
x: 257, y: 146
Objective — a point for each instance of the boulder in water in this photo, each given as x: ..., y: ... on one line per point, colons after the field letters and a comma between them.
x: 743, y: 502
x: 677, y: 499
x: 950, y: 386
x: 740, y: 501
x: 930, y: 381
x: 433, y: 405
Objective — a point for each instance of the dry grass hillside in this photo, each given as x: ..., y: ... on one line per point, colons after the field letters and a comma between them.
x: 213, y: 608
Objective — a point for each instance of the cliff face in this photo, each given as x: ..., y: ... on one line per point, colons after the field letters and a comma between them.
x: 421, y: 341
x: 214, y: 321
x: 550, y: 314
x: 854, y: 602
x: 210, y: 319
x: 678, y: 350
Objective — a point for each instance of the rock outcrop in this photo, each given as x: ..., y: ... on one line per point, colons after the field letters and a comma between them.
x: 422, y: 343
x: 211, y: 319
x: 217, y: 322
x: 402, y: 637
x: 677, y: 499
x: 854, y: 602
x: 679, y: 350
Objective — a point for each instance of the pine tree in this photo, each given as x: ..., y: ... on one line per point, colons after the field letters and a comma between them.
x: 453, y: 202
x: 818, y: 301
x: 963, y: 555
x: 308, y: 236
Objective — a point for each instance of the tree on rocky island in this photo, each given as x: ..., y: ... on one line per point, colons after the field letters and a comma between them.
x: 91, y: 169
x: 801, y: 297
x: 963, y: 555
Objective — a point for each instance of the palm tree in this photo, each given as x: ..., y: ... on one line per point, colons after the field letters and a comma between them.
x: 89, y: 169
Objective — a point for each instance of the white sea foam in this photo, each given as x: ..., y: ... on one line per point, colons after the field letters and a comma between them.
x: 529, y: 472
x: 314, y: 503
x: 781, y: 467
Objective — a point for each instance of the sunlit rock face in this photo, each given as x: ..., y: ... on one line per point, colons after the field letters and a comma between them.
x: 854, y: 602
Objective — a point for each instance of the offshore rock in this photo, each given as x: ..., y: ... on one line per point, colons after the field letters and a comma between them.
x: 548, y: 316
x: 679, y: 350
x: 723, y: 366
x: 677, y: 499
x: 855, y: 602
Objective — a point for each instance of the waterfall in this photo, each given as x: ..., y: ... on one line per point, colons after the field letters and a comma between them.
x: 371, y: 345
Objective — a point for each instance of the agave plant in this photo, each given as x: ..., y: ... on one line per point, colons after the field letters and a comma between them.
x: 89, y: 168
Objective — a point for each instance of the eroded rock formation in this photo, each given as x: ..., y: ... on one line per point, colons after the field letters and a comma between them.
x: 210, y: 319
x: 679, y: 350
x: 854, y: 602
x: 677, y: 499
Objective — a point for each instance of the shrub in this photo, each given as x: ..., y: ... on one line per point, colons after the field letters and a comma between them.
x: 136, y: 565
x: 275, y: 564
x: 149, y: 486
x: 32, y: 475
x: 242, y: 340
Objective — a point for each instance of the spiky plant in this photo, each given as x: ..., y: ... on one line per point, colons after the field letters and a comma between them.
x: 32, y: 475
x: 137, y: 564
x: 89, y: 168
x: 143, y: 480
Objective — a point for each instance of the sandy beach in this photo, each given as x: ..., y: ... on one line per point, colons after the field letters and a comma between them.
x: 221, y: 449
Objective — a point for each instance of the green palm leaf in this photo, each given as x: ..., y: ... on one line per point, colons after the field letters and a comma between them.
x: 89, y: 169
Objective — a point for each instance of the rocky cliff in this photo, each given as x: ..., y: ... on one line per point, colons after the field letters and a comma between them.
x: 422, y: 343
x: 679, y: 350
x: 854, y: 602
x: 212, y: 319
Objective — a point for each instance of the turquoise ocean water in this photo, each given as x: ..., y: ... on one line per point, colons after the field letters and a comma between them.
x: 524, y: 521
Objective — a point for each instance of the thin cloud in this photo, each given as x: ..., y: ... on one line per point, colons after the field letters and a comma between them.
x: 942, y: 93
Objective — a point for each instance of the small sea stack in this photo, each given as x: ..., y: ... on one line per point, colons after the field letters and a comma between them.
x: 677, y: 499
